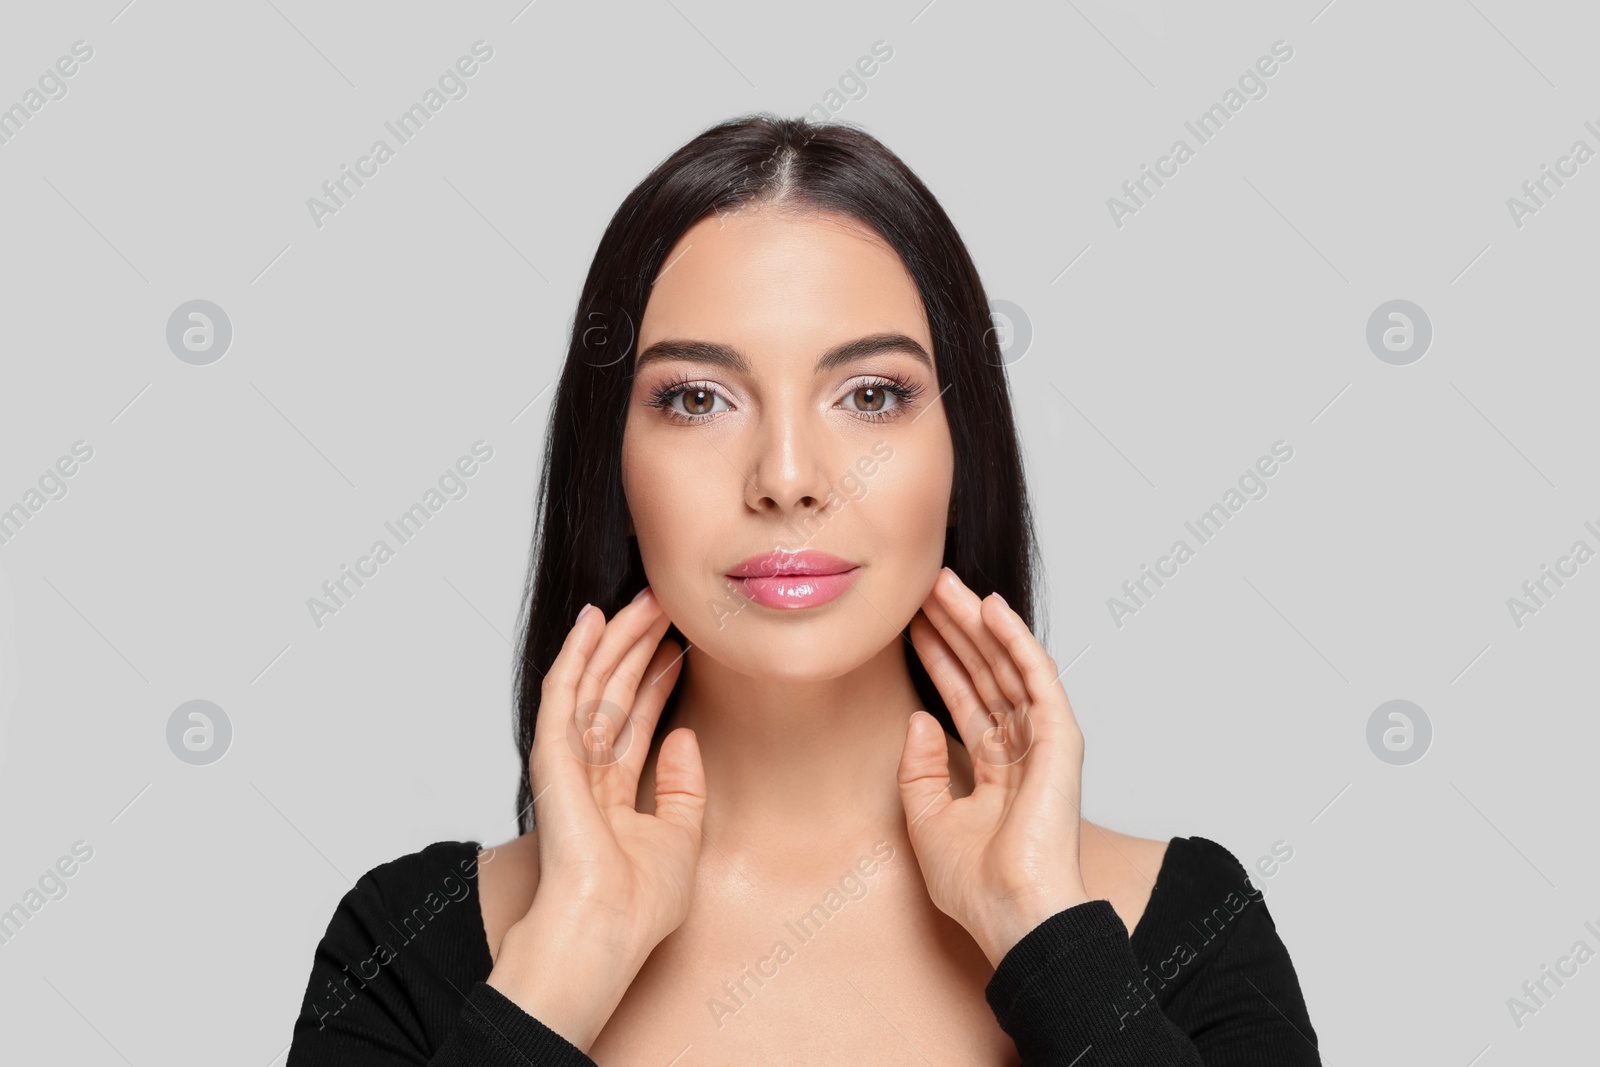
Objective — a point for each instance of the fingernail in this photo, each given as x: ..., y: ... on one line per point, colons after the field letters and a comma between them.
x: 1000, y: 598
x: 639, y: 594
x: 581, y: 612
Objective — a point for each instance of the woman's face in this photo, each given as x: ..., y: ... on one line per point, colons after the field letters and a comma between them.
x: 753, y: 434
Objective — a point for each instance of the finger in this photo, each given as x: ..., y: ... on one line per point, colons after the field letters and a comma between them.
x: 924, y: 772
x: 944, y: 667
x: 559, y: 689
x: 590, y: 647
x: 950, y: 677
x: 957, y: 612
x: 623, y: 685
x: 995, y: 739
x: 645, y: 703
x: 562, y: 800
x: 993, y: 669
x: 614, y: 701
x: 567, y: 668
x: 996, y: 732
x: 1058, y: 776
x: 1040, y: 674
x: 621, y: 633
x: 681, y: 781
x: 974, y: 666
x: 604, y: 728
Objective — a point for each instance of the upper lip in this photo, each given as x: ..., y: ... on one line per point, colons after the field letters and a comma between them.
x: 778, y: 563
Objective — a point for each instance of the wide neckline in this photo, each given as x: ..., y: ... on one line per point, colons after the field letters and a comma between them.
x: 1156, y: 900
x: 1155, y: 889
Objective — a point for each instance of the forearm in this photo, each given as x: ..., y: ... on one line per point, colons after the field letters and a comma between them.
x: 1064, y: 988
x: 565, y: 972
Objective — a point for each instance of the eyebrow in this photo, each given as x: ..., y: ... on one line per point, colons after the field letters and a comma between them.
x: 721, y: 355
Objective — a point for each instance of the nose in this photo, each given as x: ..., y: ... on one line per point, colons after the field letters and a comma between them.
x: 789, y: 467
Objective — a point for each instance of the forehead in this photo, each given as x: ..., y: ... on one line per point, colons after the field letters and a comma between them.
x: 803, y: 281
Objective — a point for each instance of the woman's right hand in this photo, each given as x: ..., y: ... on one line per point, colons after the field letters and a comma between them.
x: 612, y: 881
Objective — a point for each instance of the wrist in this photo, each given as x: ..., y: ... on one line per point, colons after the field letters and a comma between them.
x: 1007, y: 922
x: 565, y: 972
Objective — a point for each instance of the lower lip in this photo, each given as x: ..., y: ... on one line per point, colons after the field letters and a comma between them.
x: 797, y: 590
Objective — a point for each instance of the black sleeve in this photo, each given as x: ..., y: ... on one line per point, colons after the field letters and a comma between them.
x: 1071, y: 986
x: 1246, y: 1007
x: 1059, y: 993
x: 494, y: 1032
x: 391, y: 982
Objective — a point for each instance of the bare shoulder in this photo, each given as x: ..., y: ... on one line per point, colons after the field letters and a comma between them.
x: 1120, y: 868
x: 508, y: 874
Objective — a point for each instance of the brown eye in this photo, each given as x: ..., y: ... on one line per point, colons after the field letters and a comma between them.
x: 885, y: 398
x: 871, y: 398
x: 690, y: 403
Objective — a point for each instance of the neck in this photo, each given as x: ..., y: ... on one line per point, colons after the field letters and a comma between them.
x: 796, y: 767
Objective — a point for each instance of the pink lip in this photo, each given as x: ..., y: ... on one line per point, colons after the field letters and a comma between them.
x: 794, y: 580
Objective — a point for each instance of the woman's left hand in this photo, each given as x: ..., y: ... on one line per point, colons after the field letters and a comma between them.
x: 1005, y: 858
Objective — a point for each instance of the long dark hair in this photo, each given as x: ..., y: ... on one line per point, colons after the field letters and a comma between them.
x: 582, y: 551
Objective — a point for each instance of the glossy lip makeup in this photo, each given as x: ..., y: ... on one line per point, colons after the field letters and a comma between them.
x: 793, y: 580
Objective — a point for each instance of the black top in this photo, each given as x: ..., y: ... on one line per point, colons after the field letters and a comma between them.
x: 1203, y: 982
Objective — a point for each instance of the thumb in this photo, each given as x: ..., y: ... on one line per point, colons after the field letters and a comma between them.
x: 681, y: 781
x: 924, y: 773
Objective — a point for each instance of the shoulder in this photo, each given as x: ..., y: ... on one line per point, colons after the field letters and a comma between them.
x: 427, y: 865
x: 1204, y: 901
x: 508, y: 874
x: 440, y: 874
x: 1210, y: 951
x: 398, y: 940
x: 1199, y: 871
x: 1120, y: 868
x: 1140, y: 857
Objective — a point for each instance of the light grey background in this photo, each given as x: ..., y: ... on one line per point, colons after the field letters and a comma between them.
x: 1167, y: 354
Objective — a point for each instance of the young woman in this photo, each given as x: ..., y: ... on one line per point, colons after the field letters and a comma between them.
x: 800, y: 784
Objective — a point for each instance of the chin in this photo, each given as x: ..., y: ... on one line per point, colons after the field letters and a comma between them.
x: 763, y: 643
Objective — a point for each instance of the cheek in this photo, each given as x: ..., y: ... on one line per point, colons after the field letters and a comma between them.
x: 908, y: 499
x: 647, y: 486
x: 674, y: 501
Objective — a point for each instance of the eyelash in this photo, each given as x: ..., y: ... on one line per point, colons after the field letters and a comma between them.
x: 903, y: 390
